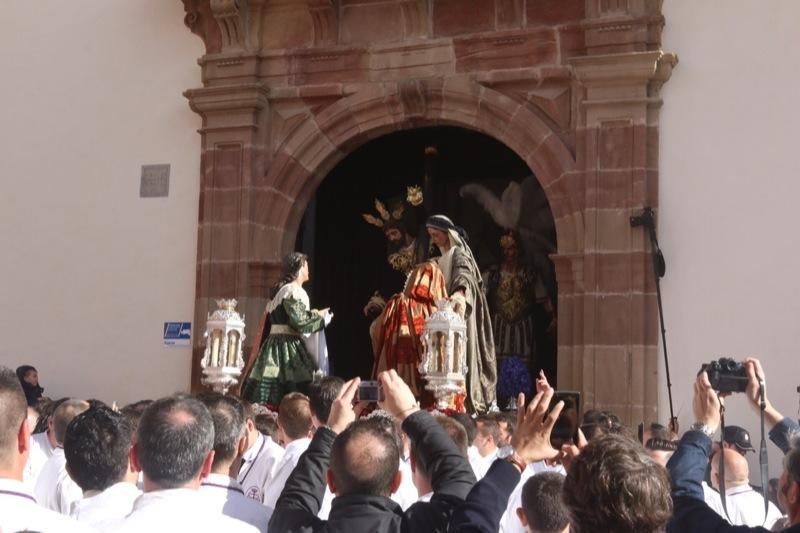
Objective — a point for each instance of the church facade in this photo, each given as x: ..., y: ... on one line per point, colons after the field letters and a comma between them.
x: 291, y: 87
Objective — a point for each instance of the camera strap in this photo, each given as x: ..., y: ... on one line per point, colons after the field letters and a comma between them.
x: 762, y: 451
x: 762, y: 456
x: 721, y: 468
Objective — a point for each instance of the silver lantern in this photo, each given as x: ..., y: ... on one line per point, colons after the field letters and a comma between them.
x: 444, y: 363
x: 222, y: 361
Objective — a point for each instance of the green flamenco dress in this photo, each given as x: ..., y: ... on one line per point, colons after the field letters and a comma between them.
x: 284, y: 364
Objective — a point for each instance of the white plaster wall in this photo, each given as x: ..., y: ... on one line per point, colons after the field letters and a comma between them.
x: 91, y: 91
x: 729, y: 189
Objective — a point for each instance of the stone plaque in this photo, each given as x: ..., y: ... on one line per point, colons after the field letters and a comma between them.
x: 155, y: 181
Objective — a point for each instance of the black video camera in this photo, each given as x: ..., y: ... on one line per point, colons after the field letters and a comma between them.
x: 726, y: 375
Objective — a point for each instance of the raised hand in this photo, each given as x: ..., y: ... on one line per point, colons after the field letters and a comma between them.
x: 706, y: 404
x: 342, y: 413
x: 398, y: 398
x: 531, y: 440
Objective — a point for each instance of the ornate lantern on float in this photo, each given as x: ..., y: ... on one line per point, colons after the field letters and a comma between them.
x: 222, y: 361
x: 444, y: 363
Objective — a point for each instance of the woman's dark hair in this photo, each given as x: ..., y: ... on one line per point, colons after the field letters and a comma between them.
x: 290, y: 266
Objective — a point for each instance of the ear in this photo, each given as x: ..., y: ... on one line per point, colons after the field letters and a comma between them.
x: 522, y: 517
x: 207, y: 463
x: 330, y: 480
x: 398, y: 478
x: 24, y: 437
x: 793, y: 495
x: 133, y: 468
x: 133, y: 458
x: 242, y: 447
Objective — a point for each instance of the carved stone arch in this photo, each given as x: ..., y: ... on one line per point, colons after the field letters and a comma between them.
x: 311, y: 151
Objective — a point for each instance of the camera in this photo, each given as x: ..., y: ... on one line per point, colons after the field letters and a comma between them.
x: 369, y: 391
x: 726, y: 375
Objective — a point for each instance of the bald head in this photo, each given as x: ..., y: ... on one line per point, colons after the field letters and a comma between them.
x: 13, y: 411
x: 737, y: 471
x: 364, y: 460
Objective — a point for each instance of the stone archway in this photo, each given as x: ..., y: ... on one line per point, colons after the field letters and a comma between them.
x: 572, y: 87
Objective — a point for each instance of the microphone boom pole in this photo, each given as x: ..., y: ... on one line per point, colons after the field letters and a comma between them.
x: 647, y: 219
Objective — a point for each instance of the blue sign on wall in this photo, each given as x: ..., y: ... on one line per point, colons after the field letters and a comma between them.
x: 177, y: 333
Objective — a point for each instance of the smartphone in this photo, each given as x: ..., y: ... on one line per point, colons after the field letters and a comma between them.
x: 369, y: 391
x: 565, y: 430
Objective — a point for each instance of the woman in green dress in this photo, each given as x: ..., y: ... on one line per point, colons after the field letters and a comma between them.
x: 284, y: 364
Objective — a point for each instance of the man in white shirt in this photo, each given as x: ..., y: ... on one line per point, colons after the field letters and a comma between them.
x: 223, y: 493
x: 97, y: 447
x: 259, y: 460
x: 511, y: 522
x: 18, y: 508
x: 542, y: 510
x: 174, y: 448
x: 487, y: 439
x: 321, y: 394
x: 294, y: 432
x: 54, y: 488
x: 745, y: 505
x: 42, y: 447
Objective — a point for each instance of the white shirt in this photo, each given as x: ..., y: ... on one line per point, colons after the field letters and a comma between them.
x: 174, y: 510
x: 112, y: 504
x: 426, y: 497
x: 41, y: 451
x: 745, y: 507
x: 258, y: 463
x: 406, y: 494
x: 510, y: 523
x: 19, y: 512
x: 55, y: 490
x: 480, y: 465
x: 282, y: 471
x: 224, y: 495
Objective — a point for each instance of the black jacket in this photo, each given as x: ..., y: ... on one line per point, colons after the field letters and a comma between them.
x: 687, y: 468
x: 487, y: 501
x: 451, y: 479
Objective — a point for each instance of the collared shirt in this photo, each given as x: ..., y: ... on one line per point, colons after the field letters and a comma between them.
x: 19, y: 512
x: 176, y: 510
x: 406, y: 494
x: 41, y: 451
x: 283, y: 470
x: 510, y: 522
x: 257, y: 465
x: 225, y: 495
x: 426, y: 497
x: 745, y: 507
x: 55, y: 490
x: 114, y: 503
x: 481, y: 464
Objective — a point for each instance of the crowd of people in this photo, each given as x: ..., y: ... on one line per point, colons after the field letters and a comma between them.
x: 326, y: 462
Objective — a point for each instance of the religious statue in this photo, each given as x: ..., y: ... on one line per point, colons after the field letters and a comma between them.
x: 294, y: 349
x: 521, y: 286
x: 465, y: 287
x: 398, y: 323
x: 517, y: 298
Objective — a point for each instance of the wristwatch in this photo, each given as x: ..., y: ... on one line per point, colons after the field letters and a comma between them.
x: 699, y: 426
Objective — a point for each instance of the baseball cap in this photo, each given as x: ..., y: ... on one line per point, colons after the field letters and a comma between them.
x: 739, y: 437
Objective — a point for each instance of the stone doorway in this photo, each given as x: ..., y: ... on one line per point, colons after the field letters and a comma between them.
x: 290, y: 87
x: 349, y: 256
